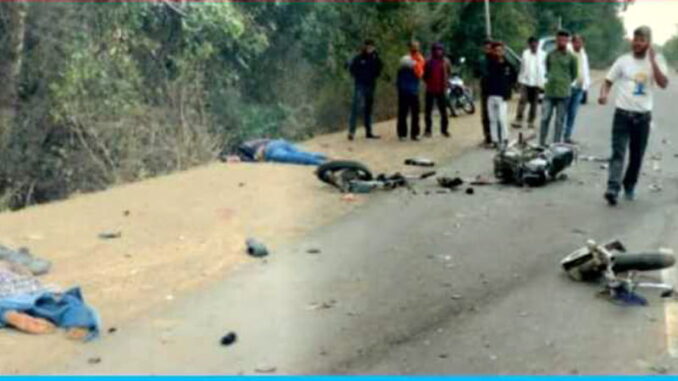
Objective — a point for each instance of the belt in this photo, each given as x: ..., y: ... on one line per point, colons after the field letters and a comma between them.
x: 633, y: 113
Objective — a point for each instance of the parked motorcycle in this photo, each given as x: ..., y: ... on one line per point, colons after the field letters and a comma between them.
x: 459, y: 96
x: 595, y: 262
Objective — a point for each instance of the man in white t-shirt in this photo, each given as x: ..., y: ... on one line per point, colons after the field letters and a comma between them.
x: 636, y: 75
x: 531, y: 79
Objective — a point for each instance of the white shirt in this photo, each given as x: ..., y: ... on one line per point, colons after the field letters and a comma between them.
x: 635, y: 81
x: 583, y: 70
x: 532, y: 70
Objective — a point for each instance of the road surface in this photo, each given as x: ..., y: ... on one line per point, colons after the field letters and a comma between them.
x: 433, y: 284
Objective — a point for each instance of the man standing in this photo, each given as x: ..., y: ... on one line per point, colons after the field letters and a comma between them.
x: 436, y: 74
x: 498, y: 88
x: 561, y: 71
x: 409, y: 75
x: 481, y: 73
x: 635, y: 74
x: 580, y: 85
x: 531, y: 79
x: 365, y: 68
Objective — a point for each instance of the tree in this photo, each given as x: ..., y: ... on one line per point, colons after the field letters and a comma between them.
x: 10, y: 67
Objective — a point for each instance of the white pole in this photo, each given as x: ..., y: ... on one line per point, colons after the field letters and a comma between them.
x: 488, y: 22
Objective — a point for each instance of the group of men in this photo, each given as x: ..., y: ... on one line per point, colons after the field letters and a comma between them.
x: 563, y: 78
x: 435, y: 73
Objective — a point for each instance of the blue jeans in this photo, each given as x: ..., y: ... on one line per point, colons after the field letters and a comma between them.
x: 282, y: 151
x: 363, y: 95
x: 572, y: 108
x: 549, y: 105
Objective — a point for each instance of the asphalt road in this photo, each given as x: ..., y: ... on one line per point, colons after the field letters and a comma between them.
x: 434, y: 284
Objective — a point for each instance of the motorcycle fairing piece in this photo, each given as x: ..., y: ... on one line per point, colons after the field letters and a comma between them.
x: 522, y: 163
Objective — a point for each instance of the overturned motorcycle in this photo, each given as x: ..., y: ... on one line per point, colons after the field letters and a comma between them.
x: 354, y: 177
x: 522, y: 163
x: 605, y: 263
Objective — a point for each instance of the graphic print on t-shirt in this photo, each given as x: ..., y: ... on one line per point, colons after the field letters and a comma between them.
x: 640, y: 80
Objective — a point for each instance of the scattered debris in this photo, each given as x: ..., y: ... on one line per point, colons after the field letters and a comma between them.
x: 443, y: 355
x: 322, y: 306
x: 595, y: 158
x: 659, y: 369
x: 604, y: 166
x: 523, y: 314
x: 456, y: 297
x: 654, y: 187
x: 493, y: 357
x: 470, y: 191
x: 265, y: 369
x: 450, y: 183
x: 313, y: 251
x: 94, y: 360
x: 240, y: 185
x: 110, y: 234
x: 112, y: 330
x: 420, y: 162
x: 578, y: 231
x: 482, y: 180
x: 126, y: 213
x: 255, y: 248
x: 169, y: 297
x: 23, y: 257
x: 228, y: 339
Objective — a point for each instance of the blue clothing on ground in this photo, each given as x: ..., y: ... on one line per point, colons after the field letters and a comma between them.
x: 65, y: 310
x: 282, y: 151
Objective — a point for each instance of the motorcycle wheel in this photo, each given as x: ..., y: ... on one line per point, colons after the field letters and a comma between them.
x: 451, y: 106
x: 642, y: 262
x: 350, y: 170
x: 469, y: 106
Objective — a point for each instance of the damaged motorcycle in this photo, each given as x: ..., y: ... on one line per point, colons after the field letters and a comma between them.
x: 618, y: 270
x: 354, y: 177
x: 522, y: 163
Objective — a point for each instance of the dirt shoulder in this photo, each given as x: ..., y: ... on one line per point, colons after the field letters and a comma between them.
x: 184, y: 230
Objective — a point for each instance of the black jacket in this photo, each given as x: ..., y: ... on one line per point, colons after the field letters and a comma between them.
x: 365, y: 68
x: 497, y: 79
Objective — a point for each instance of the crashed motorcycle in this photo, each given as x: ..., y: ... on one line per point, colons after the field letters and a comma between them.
x: 523, y: 163
x: 606, y: 263
x: 354, y: 177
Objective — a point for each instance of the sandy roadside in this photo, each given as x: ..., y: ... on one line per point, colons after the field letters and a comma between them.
x: 182, y: 231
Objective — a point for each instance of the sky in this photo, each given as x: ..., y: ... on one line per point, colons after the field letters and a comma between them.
x: 660, y: 15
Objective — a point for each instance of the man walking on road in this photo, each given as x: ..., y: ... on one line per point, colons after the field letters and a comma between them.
x: 561, y: 71
x: 365, y: 68
x: 498, y: 87
x: 436, y: 74
x: 636, y: 75
x: 481, y: 73
x: 580, y: 85
x: 409, y: 75
x: 531, y: 79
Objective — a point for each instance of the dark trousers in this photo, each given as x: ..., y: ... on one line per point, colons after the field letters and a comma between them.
x: 363, y: 95
x: 408, y: 104
x: 441, y: 103
x: 485, y: 117
x: 629, y: 130
x: 528, y: 95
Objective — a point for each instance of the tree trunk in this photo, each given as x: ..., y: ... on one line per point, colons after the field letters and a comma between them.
x: 10, y: 66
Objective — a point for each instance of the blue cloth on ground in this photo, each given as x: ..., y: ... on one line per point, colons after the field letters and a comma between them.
x: 65, y: 310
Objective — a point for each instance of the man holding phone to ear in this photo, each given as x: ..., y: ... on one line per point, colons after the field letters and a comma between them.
x: 635, y: 74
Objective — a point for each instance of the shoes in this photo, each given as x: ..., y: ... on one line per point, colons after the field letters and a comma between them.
x: 570, y: 141
x: 373, y: 136
x: 611, y: 198
x: 428, y: 135
x: 402, y: 139
x: 416, y: 138
x: 629, y: 194
x: 446, y: 134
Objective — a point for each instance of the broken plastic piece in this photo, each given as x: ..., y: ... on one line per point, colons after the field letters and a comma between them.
x: 420, y: 162
x: 256, y: 248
